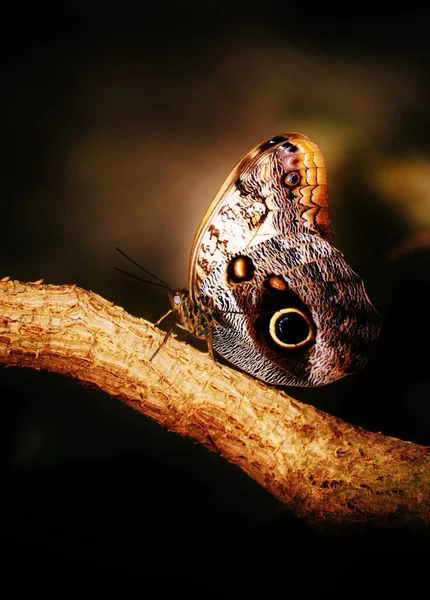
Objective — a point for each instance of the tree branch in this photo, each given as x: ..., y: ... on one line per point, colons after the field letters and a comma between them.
x: 325, y: 470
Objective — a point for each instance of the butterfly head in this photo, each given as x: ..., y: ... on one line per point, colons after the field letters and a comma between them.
x: 181, y: 304
x: 192, y: 316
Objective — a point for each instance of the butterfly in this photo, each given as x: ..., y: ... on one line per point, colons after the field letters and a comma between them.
x: 267, y: 289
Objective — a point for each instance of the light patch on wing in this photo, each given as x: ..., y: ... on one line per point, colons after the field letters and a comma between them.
x: 229, y: 231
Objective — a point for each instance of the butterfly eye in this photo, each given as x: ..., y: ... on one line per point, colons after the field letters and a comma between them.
x: 177, y: 300
x: 291, y: 328
x: 240, y: 269
x: 292, y: 178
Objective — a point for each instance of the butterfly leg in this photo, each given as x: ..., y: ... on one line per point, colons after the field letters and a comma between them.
x: 161, y: 319
x: 166, y: 337
x: 210, y: 347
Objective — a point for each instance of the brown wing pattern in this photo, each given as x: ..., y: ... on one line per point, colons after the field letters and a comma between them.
x: 267, y: 289
x: 278, y: 188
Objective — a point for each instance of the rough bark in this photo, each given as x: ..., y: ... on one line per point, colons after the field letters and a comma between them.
x: 325, y: 470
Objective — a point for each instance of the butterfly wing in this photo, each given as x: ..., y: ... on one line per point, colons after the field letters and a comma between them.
x: 278, y: 188
x: 282, y: 303
x: 303, y: 318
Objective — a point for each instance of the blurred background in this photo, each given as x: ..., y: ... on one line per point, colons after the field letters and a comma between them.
x: 119, y: 125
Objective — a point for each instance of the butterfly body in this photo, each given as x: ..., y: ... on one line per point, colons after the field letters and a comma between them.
x: 267, y: 289
x: 195, y: 317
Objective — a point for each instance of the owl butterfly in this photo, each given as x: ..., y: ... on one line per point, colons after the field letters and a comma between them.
x: 267, y: 289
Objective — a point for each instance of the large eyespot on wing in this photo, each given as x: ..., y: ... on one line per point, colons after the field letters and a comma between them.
x: 285, y: 321
x: 291, y: 328
x: 268, y: 332
x: 253, y: 204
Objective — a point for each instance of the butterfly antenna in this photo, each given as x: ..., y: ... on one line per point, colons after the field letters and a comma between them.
x: 166, y: 287
x: 142, y: 269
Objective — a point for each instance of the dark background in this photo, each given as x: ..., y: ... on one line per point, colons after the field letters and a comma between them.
x: 118, y: 127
